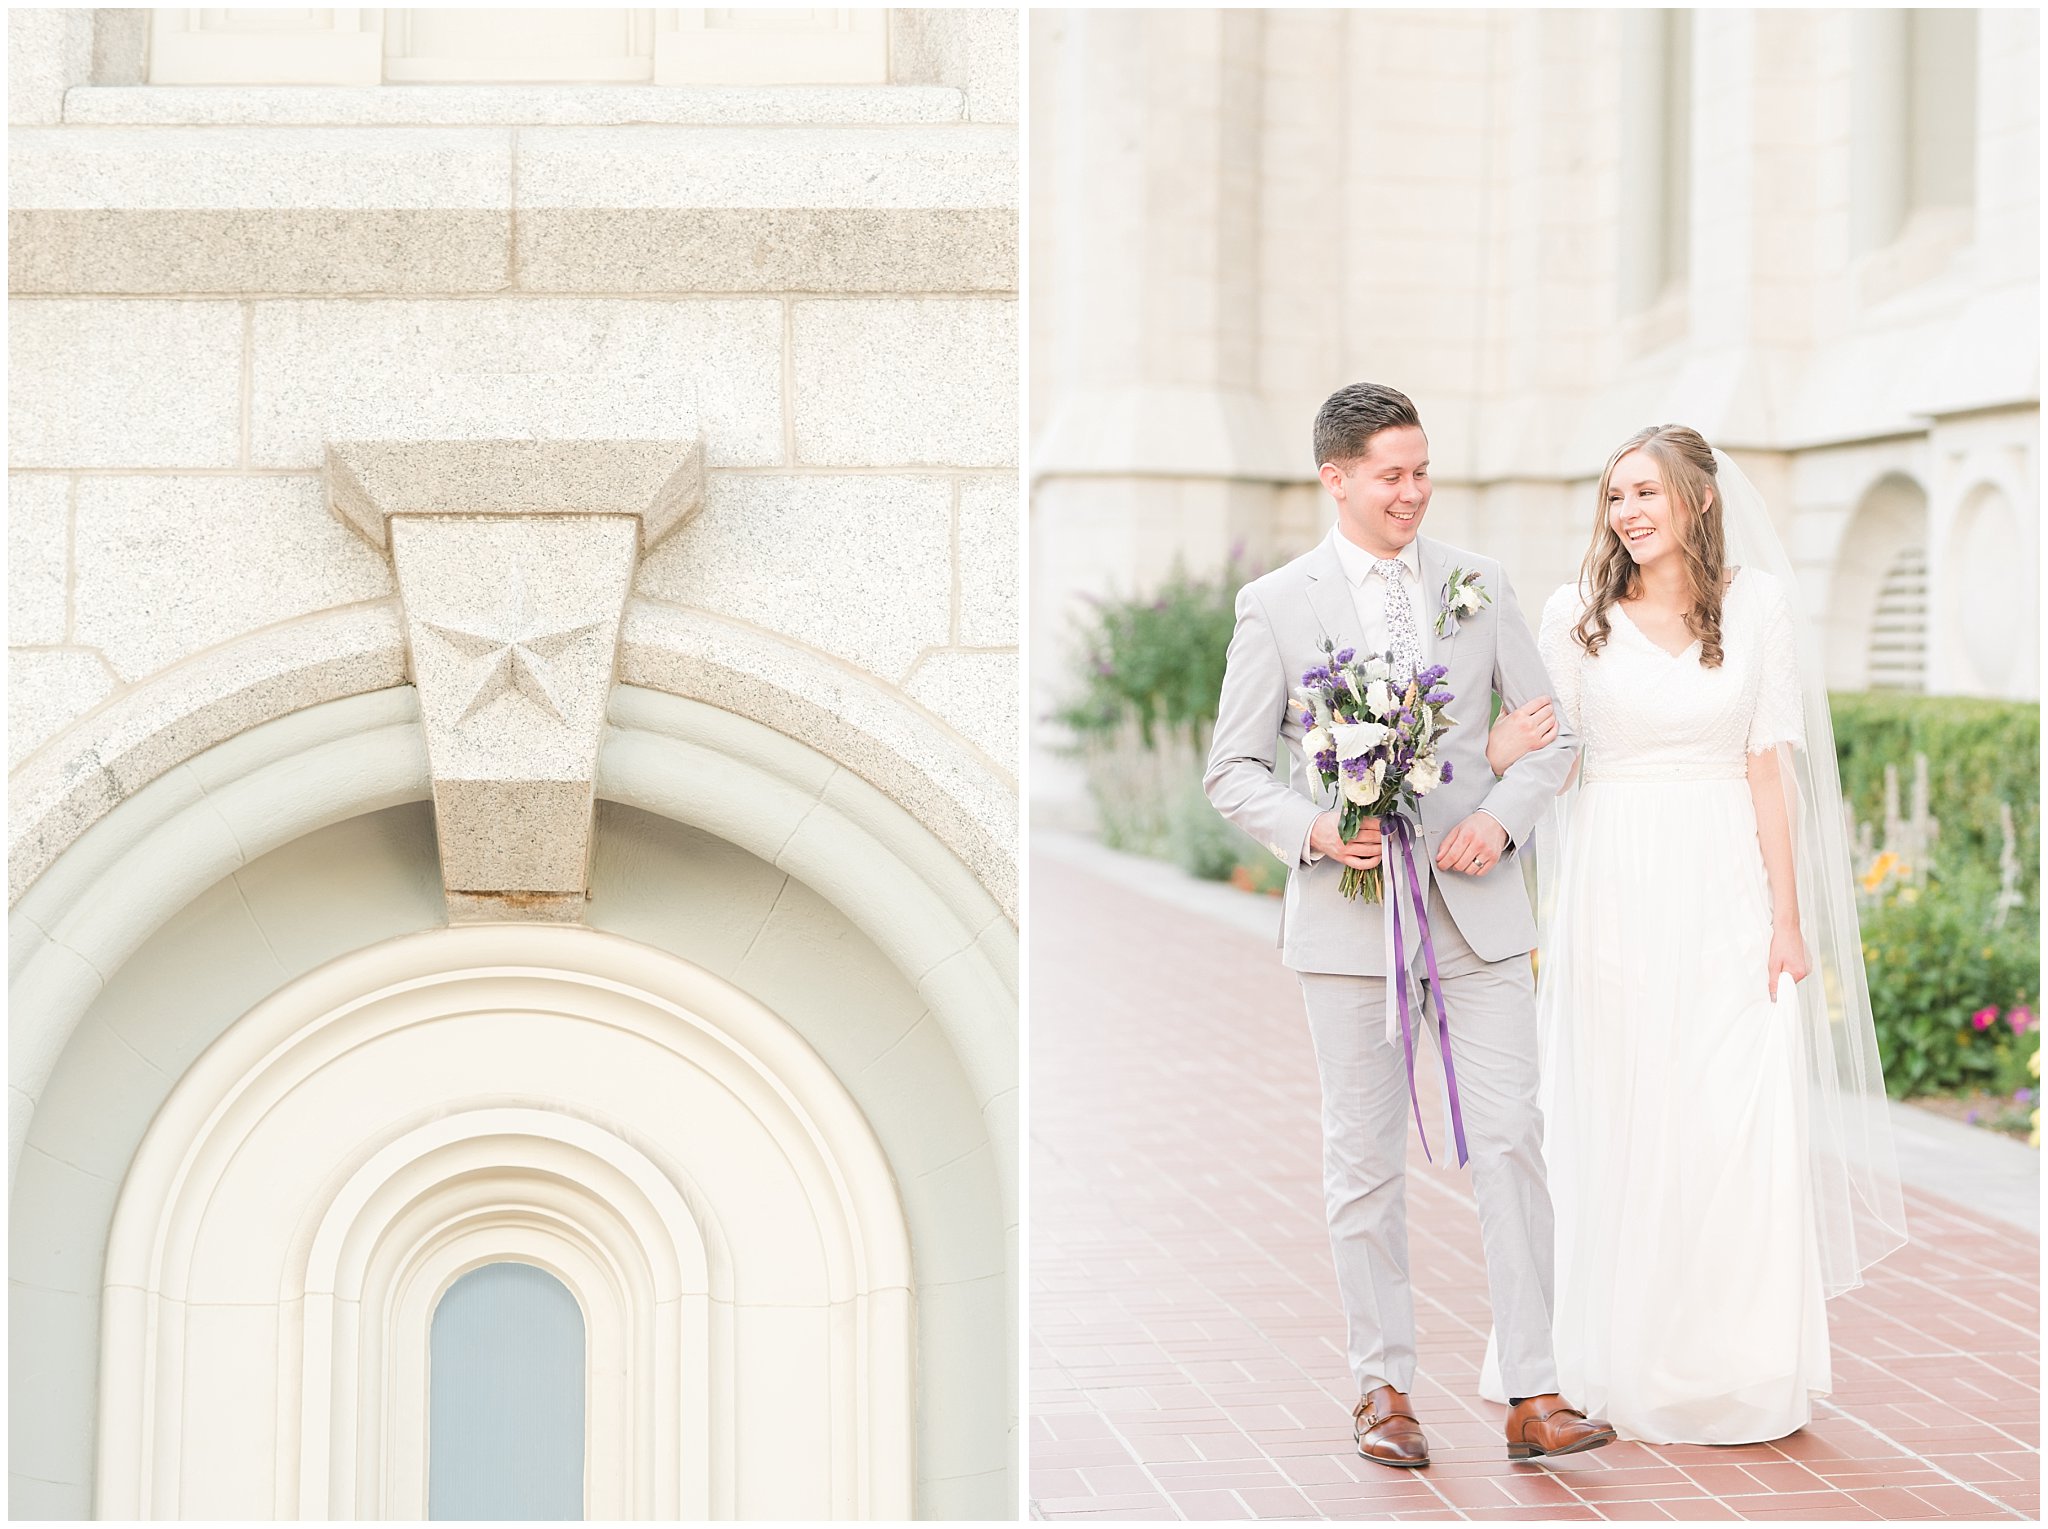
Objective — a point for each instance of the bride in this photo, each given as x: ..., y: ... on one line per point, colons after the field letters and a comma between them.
x: 1715, y: 1129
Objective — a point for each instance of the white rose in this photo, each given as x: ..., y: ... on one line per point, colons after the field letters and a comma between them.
x: 1355, y: 738
x: 1314, y: 741
x: 1359, y: 793
x: 1469, y: 599
x: 1379, y: 697
x: 1425, y: 776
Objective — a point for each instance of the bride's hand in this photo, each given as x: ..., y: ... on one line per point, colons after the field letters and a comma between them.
x: 1788, y: 955
x: 1530, y: 726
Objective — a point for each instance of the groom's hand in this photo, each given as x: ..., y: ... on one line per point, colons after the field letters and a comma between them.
x: 1473, y: 847
x: 1363, y: 852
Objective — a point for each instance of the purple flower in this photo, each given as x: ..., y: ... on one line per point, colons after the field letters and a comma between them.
x: 1431, y: 675
x: 1446, y: 777
x: 1355, y: 767
x: 1438, y: 697
x: 1308, y: 676
x: 2023, y: 1096
x: 1308, y: 719
x: 1327, y: 761
x: 1345, y: 655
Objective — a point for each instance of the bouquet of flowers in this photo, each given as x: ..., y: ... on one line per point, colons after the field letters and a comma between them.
x: 1376, y: 745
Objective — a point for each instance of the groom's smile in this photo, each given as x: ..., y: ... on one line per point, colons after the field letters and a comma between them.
x: 1383, y: 493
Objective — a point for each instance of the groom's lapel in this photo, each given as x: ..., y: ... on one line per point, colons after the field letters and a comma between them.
x: 1329, y: 596
x: 1436, y: 572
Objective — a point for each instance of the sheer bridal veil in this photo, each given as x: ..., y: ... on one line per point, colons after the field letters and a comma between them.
x: 1859, y: 1207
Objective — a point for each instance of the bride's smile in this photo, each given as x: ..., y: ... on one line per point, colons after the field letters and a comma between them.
x: 1638, y: 511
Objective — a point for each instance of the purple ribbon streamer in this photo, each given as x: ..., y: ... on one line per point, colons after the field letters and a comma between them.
x: 1402, y: 833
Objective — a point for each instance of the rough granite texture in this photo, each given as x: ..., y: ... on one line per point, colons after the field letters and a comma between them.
x: 123, y: 384
x: 906, y: 383
x: 850, y: 720
x: 720, y: 249
x: 48, y: 50
x: 513, y: 626
x: 976, y: 693
x: 188, y: 709
x: 312, y: 251
x: 260, y: 169
x: 520, y: 368
x: 660, y: 482
x: 989, y: 555
x: 170, y: 565
x: 512, y: 105
x: 38, y: 531
x: 47, y: 689
x: 855, y: 566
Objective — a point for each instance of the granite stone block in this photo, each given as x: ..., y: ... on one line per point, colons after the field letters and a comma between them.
x: 38, y: 561
x: 124, y: 384
x: 853, y: 566
x: 170, y: 565
x: 914, y: 382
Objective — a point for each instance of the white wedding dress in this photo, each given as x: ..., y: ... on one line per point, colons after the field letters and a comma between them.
x: 1689, y: 1303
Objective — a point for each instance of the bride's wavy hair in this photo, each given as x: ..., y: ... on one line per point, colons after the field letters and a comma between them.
x: 1609, y: 574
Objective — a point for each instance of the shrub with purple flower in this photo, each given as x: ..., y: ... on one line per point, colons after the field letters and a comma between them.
x: 1375, y: 746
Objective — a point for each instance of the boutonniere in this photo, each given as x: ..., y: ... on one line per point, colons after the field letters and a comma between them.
x: 1463, y: 593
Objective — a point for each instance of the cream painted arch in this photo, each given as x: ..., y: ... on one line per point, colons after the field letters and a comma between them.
x: 779, y: 800
x: 683, y: 1161
x: 185, y: 831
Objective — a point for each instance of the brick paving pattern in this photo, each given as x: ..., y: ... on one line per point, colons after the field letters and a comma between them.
x: 1186, y: 1341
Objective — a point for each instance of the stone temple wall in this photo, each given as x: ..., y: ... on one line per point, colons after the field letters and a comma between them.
x: 209, y: 283
x: 1811, y: 234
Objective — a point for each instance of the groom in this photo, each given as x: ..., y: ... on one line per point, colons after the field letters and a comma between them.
x: 1376, y: 584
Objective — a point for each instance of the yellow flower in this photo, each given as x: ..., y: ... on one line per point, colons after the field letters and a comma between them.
x: 2034, y: 1064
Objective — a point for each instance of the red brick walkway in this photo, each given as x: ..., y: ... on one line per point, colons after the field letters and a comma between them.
x: 1186, y: 1339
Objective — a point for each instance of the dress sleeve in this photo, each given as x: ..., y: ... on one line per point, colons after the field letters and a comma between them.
x: 1561, y: 655
x: 1779, y: 715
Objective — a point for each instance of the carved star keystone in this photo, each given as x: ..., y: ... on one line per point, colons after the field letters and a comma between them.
x: 514, y: 650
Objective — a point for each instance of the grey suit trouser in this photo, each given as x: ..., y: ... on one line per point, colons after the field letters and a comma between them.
x: 1365, y: 1155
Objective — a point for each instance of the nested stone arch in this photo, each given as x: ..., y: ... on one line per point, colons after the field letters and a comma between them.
x: 657, y: 1103
x: 224, y: 816
x: 1880, y: 562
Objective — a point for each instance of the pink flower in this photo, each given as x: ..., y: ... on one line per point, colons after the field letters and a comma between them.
x: 2021, y: 1020
x: 1985, y: 1017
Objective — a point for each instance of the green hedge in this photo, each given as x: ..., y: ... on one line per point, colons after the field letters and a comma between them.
x: 1159, y: 659
x: 1933, y: 962
x: 1147, y: 680
x: 1979, y: 753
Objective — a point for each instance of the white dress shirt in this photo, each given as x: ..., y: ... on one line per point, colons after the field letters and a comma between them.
x: 1369, y: 596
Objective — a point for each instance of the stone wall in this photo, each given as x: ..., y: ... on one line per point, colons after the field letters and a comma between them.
x: 209, y: 282
x: 1524, y: 221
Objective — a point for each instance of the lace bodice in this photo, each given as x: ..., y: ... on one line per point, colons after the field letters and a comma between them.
x: 1644, y: 714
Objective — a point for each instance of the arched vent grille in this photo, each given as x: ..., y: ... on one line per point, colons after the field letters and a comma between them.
x: 1898, y: 627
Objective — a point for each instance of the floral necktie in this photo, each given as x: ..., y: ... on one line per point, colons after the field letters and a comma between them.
x: 1404, y: 645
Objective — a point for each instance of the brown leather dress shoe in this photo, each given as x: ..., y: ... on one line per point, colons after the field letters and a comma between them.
x: 1385, y: 1430
x: 1544, y: 1425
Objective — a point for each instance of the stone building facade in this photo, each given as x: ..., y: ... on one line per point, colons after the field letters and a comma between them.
x: 1811, y: 234
x: 513, y: 758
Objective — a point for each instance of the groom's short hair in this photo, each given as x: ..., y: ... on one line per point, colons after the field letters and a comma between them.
x: 1353, y: 415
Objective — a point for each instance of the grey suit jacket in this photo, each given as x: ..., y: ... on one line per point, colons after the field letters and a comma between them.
x: 1258, y: 779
